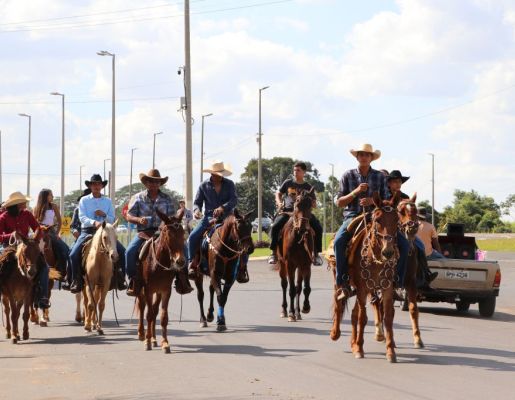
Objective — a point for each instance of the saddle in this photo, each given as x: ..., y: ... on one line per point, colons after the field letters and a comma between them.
x: 149, y: 237
x: 86, y: 246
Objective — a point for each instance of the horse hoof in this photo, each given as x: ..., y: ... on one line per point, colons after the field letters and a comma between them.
x: 87, y: 328
x: 8, y: 335
x: 283, y: 314
x: 166, y: 349
x: 100, y: 331
x: 141, y: 338
x: 379, y: 338
x: 291, y: 318
x: 392, y: 358
x: 154, y: 343
x: 298, y: 317
x: 26, y: 336
x: 358, y: 355
x: 210, y: 317
x: 221, y: 328
x: 43, y: 324
x: 335, y: 334
x: 203, y: 324
x: 306, y: 310
x: 419, y: 344
x: 14, y: 340
x: 148, y: 346
x: 78, y: 318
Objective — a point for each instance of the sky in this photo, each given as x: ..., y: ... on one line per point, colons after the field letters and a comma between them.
x: 411, y: 77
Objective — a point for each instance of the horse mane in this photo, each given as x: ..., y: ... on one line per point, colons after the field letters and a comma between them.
x: 7, y: 261
x: 228, y: 222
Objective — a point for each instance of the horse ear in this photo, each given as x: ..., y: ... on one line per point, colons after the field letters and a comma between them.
x: 413, y: 198
x: 180, y: 214
x: 237, y: 214
x: 312, y: 190
x: 116, y: 223
x: 247, y: 215
x: 163, y: 217
x: 104, y: 224
x: 377, y: 199
x: 395, y: 199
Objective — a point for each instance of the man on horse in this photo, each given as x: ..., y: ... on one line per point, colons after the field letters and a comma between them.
x: 93, y: 210
x: 187, y: 216
x: 355, y: 195
x: 16, y: 218
x: 217, y: 195
x: 142, y: 212
x: 284, y: 199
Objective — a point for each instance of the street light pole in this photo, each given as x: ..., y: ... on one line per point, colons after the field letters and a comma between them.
x: 332, y: 198
x: 187, y: 83
x: 154, y: 150
x: 0, y: 166
x: 80, y: 177
x: 432, y: 188
x: 202, y: 146
x: 104, y: 176
x: 112, y: 190
x: 260, y: 173
x: 61, y: 205
x: 130, y: 185
x: 28, y: 155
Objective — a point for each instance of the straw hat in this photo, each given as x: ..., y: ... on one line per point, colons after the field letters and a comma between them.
x: 15, y: 198
x: 153, y: 175
x: 219, y: 168
x: 367, y: 148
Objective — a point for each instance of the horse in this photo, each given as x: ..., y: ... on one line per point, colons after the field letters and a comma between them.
x: 228, y: 246
x: 161, y: 262
x: 98, y: 257
x: 18, y: 271
x: 295, y: 255
x: 372, y: 260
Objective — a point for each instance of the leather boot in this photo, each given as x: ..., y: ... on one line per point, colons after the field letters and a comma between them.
x: 193, y: 270
x: 76, y: 286
x: 134, y: 288
x: 182, y: 284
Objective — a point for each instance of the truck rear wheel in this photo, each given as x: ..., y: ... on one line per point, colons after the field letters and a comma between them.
x: 487, y: 306
x: 462, y: 306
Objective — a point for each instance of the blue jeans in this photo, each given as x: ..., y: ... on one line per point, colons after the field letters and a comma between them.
x: 43, y: 277
x: 435, y: 255
x: 196, y: 236
x: 131, y: 255
x: 62, y: 254
x: 402, y: 262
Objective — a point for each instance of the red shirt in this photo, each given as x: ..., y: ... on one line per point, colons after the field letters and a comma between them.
x: 22, y: 223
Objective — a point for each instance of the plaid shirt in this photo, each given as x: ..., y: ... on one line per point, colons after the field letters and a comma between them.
x: 351, y: 179
x: 141, y: 205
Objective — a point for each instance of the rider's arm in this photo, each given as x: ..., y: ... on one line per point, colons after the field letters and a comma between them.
x: 199, y: 200
x: 278, y: 199
x: 345, y: 195
x: 58, y: 217
x: 230, y: 204
x: 4, y: 237
x: 85, y: 221
x: 133, y: 211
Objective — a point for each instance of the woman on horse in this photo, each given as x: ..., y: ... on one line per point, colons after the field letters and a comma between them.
x: 142, y: 211
x: 93, y: 210
x: 217, y: 195
x: 16, y: 218
x: 355, y: 195
x: 47, y: 214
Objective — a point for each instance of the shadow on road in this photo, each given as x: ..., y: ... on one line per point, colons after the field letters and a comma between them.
x: 256, y: 351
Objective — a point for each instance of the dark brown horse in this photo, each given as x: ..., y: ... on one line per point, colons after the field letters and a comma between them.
x: 296, y: 256
x: 163, y: 260
x: 19, y: 268
x: 372, y: 263
x: 229, y: 246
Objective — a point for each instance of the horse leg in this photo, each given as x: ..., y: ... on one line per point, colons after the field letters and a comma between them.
x: 26, y: 305
x: 200, y: 298
x: 150, y: 317
x: 211, y: 309
x: 78, y: 312
x: 157, y: 301
x: 413, y: 313
x: 7, y: 311
x: 101, y: 293
x: 88, y: 308
x: 389, y: 313
x: 361, y: 321
x: 141, y: 308
x: 284, y: 286
x: 222, y: 300
x: 378, y: 319
x: 164, y: 321
x: 338, y: 310
x: 15, y: 315
x: 34, y: 315
x: 292, y: 292
x: 306, y: 307
x: 298, y: 292
x: 46, y: 311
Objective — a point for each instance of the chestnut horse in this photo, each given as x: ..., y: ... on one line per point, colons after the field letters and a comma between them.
x: 98, y: 257
x: 296, y: 256
x: 18, y: 271
x: 163, y: 259
x: 228, y: 246
x: 372, y: 263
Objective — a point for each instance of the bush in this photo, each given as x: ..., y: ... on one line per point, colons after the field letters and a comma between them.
x: 261, y: 244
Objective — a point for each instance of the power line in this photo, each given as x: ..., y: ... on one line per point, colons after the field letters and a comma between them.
x: 96, y: 101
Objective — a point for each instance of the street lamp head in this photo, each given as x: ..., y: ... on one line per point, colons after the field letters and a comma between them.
x: 56, y: 94
x: 23, y: 115
x: 263, y: 88
x: 207, y: 115
x: 104, y: 53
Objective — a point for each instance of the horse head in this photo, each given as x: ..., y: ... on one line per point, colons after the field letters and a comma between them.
x: 242, y: 231
x: 172, y: 235
x: 27, y: 254
x: 107, y: 239
x: 408, y: 219
x: 385, y: 221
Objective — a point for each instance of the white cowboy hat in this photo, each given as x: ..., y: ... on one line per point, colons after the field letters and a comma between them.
x: 15, y: 198
x: 219, y: 168
x: 367, y: 148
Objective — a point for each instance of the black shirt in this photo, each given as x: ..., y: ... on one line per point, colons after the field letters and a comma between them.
x: 289, y: 190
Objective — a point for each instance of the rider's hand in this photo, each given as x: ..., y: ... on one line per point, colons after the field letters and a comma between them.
x: 366, y: 201
x: 75, y: 234
x: 278, y: 204
x: 197, y: 214
x: 142, y: 221
x: 363, y: 187
x: 98, y: 224
x: 100, y: 213
x: 218, y: 212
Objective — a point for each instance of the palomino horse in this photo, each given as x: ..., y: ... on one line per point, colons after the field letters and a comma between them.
x: 229, y: 245
x: 19, y: 268
x: 296, y: 255
x: 372, y: 262
x: 98, y: 257
x: 163, y: 259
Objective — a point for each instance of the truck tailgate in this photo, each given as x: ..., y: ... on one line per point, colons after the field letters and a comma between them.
x: 463, y: 274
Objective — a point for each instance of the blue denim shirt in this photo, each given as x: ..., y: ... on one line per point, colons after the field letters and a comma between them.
x: 87, y: 207
x: 141, y: 205
x: 208, y: 198
x: 352, y: 178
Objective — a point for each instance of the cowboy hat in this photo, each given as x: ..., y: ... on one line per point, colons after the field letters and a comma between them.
x: 422, y: 213
x: 95, y: 178
x: 153, y: 176
x: 367, y: 148
x: 396, y: 174
x: 15, y: 198
x: 219, y: 168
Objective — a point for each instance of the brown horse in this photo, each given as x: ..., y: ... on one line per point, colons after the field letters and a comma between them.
x: 164, y: 258
x: 18, y: 268
x: 296, y: 256
x: 372, y: 262
x: 229, y: 246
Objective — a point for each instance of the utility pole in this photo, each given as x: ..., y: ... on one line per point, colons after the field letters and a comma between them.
x: 130, y: 185
x: 104, y: 176
x: 260, y: 173
x: 1, y: 166
x: 432, y: 188
x: 187, y: 82
x: 332, y: 198
x: 28, y: 155
x: 202, y: 146
x: 154, y: 150
x: 80, y: 177
x: 61, y: 205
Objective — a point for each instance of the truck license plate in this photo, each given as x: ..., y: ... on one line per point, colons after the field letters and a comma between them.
x: 453, y: 274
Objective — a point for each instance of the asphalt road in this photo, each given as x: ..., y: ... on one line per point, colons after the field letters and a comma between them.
x: 263, y: 356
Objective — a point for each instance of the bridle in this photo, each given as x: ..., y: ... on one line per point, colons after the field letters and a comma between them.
x: 239, y: 242
x: 166, y: 246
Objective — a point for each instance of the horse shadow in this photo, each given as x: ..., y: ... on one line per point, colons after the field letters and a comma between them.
x: 250, y: 350
x: 290, y: 328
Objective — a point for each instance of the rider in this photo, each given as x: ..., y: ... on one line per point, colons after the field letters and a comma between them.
x: 187, y: 215
x: 287, y: 193
x: 427, y: 234
x: 47, y: 213
x: 93, y: 210
x: 217, y: 195
x: 142, y: 212
x: 355, y: 194
x: 16, y: 218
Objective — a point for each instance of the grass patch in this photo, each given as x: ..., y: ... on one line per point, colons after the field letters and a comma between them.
x: 266, y: 252
x: 496, y: 244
